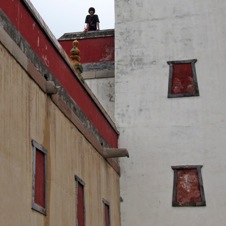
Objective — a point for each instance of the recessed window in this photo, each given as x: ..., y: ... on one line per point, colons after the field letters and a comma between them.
x: 106, y: 213
x: 80, y: 202
x: 188, y: 186
x: 39, y: 178
x: 182, y: 79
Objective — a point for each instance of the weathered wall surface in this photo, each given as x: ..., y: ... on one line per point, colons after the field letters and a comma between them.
x: 28, y: 113
x: 162, y: 132
x: 104, y: 89
x: 95, y: 46
x: 23, y: 23
x: 97, y: 58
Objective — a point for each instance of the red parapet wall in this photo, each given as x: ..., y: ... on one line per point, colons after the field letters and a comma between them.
x: 25, y: 22
x: 92, y: 50
x: 94, y: 46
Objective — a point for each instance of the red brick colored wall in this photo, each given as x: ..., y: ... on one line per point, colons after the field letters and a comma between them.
x: 93, y: 50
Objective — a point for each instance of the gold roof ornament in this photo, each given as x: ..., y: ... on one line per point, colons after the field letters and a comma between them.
x: 75, y: 58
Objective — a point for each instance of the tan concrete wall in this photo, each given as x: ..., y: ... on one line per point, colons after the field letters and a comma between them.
x: 27, y: 113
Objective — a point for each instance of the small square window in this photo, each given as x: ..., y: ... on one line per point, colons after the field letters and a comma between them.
x: 39, y: 178
x: 188, y: 186
x: 182, y: 79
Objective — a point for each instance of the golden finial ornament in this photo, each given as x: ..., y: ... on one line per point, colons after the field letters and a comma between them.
x: 75, y: 58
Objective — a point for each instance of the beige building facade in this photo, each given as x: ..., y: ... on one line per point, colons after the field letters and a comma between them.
x: 54, y: 169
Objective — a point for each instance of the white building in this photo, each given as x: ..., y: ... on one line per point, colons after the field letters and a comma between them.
x: 166, y: 127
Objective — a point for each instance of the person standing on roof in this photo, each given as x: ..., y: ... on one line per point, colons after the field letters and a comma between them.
x: 92, y: 21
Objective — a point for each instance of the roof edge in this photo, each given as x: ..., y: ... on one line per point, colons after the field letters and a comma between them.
x: 87, y: 35
x: 56, y: 44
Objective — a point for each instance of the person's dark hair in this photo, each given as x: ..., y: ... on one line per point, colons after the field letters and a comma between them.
x: 91, y: 9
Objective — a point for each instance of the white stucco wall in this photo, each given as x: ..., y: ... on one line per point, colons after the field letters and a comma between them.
x: 104, y: 90
x: 160, y: 132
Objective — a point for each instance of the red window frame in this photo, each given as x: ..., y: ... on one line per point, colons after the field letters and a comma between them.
x: 182, y: 79
x: 188, y: 186
x: 80, y: 202
x: 107, y: 221
x: 39, y: 178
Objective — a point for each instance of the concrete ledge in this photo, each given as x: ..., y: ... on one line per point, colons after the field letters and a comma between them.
x: 86, y: 35
x: 99, y: 66
x: 98, y: 70
x: 98, y: 74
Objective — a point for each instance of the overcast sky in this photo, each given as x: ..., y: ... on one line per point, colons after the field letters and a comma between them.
x: 63, y: 16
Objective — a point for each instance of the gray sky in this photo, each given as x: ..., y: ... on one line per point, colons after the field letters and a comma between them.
x: 63, y: 16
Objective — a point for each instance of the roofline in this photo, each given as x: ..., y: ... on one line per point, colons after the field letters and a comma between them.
x: 86, y: 35
x: 63, y: 54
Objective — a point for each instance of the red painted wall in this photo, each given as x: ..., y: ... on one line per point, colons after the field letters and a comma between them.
x: 188, y: 187
x: 182, y: 79
x: 24, y: 21
x: 93, y: 50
